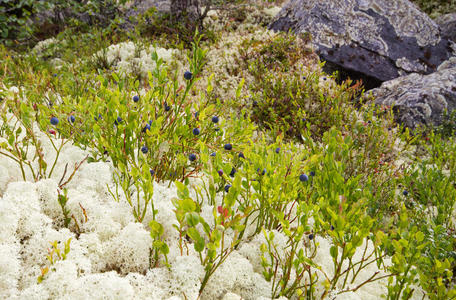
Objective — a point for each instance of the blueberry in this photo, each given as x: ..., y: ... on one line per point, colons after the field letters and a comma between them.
x: 389, y: 128
x: 147, y: 127
x: 71, y: 119
x: 233, y: 171
x: 144, y: 149
x: 370, y: 122
x: 188, y: 75
x: 136, y: 98
x: 255, y: 103
x: 55, y: 74
x: 99, y: 117
x: 152, y: 172
x: 312, y: 173
x: 217, y: 129
x: 332, y: 227
x: 304, y: 77
x: 197, y: 114
x: 167, y: 107
x: 215, y: 119
x: 277, y: 150
x: 192, y: 157
x: 227, y: 187
x: 150, y: 122
x: 263, y: 172
x: 405, y: 193
x: 324, y: 78
x: 311, y: 236
x: 241, y: 155
x: 303, y: 177
x: 213, y: 154
x: 228, y: 146
x: 220, y: 172
x: 118, y: 120
x: 304, y: 119
x: 54, y: 121
x: 196, y: 131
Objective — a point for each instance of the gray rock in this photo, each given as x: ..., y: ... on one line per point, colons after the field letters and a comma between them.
x: 447, y: 25
x: 138, y: 7
x: 421, y: 99
x: 375, y: 40
x: 60, y: 14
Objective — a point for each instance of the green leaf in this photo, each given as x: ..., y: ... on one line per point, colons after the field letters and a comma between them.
x: 182, y: 190
x: 419, y: 236
x: 197, y: 239
x: 156, y: 229
x: 192, y: 219
x: 334, y: 251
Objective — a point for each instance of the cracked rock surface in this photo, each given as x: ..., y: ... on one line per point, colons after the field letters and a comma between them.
x: 421, y: 99
x: 374, y: 40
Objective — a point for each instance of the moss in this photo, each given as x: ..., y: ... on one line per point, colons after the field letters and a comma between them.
x: 435, y: 8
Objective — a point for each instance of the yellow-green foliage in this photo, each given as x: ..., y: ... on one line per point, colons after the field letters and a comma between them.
x: 434, y: 8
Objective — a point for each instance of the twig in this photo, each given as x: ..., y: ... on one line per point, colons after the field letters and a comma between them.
x: 76, y: 167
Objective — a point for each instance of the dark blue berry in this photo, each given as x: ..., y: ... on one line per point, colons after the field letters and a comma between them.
x: 304, y: 77
x: 144, y: 149
x: 196, y: 131
x: 263, y: 172
x: 405, y: 193
x: 147, y: 127
x: 117, y: 121
x: 332, y: 227
x: 220, y: 172
x: 167, y: 107
x: 227, y: 187
x: 255, y: 103
x: 150, y: 122
x: 241, y: 155
x: 99, y: 117
x: 188, y: 75
x: 197, y: 115
x: 215, y: 119
x: 228, y: 146
x: 312, y: 173
x: 217, y: 129
x: 233, y: 171
x: 54, y: 121
x: 277, y: 150
x: 192, y: 157
x: 71, y: 119
x: 136, y: 98
x: 213, y: 154
x: 303, y: 177
x: 311, y: 236
x: 152, y: 172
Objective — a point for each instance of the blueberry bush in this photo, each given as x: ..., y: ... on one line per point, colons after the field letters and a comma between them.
x: 333, y: 194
